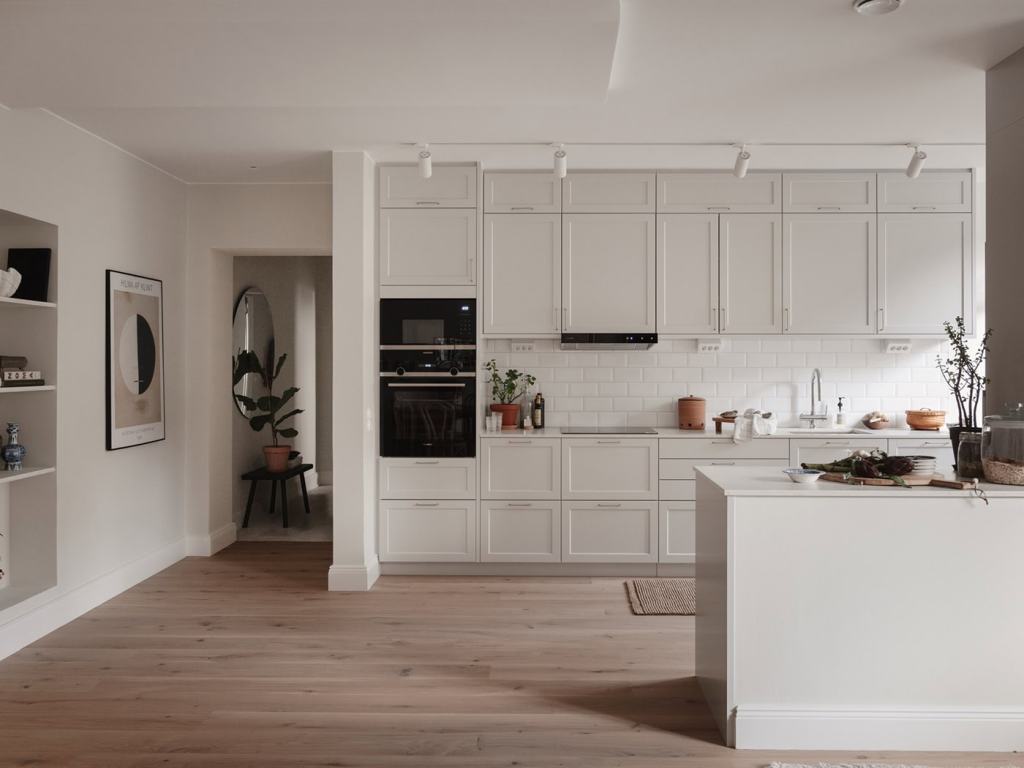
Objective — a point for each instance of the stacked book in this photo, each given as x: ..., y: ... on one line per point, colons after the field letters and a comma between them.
x: 14, y: 374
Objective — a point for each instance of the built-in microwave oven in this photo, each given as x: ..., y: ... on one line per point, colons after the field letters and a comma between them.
x: 427, y: 322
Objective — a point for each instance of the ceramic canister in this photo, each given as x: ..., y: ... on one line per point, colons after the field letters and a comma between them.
x: 691, y: 412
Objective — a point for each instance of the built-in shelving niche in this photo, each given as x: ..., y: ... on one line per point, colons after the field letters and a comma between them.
x: 28, y: 499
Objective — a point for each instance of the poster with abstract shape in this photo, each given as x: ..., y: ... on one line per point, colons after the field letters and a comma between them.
x: 135, y: 360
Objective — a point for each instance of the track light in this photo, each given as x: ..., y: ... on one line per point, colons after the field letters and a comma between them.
x: 916, y: 162
x: 426, y: 166
x: 561, y: 164
x: 742, y: 163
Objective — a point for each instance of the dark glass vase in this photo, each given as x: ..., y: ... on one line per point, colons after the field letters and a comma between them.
x: 954, y: 437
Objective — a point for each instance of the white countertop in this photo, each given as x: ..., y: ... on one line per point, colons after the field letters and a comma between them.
x: 783, y: 434
x: 767, y: 481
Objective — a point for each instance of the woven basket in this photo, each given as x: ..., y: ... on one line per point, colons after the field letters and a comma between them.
x: 926, y: 418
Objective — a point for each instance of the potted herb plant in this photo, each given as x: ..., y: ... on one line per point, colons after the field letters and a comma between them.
x: 265, y: 409
x: 505, y: 390
x: 962, y: 371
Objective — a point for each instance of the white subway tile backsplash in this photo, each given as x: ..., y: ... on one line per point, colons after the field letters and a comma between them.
x: 688, y: 374
x: 717, y: 374
x: 791, y: 360
x: 582, y: 389
x: 612, y: 359
x: 732, y: 360
x: 597, y: 374
x: 628, y: 374
x: 658, y: 374
x: 806, y: 345
x: 554, y: 359
x: 673, y: 359
x: 598, y: 404
x: 762, y: 360
x: 701, y: 360
x: 776, y: 345
x: 629, y: 403
x: 613, y: 388
x: 643, y: 389
x: 742, y: 345
x: 568, y: 374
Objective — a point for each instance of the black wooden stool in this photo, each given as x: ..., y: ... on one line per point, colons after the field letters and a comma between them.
x: 276, y: 477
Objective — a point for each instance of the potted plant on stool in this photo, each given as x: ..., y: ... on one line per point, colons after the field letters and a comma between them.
x: 266, y: 408
x: 505, y: 390
x: 962, y: 371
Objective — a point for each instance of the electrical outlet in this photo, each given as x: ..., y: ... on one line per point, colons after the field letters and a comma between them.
x: 898, y: 347
x: 522, y: 346
x: 709, y: 345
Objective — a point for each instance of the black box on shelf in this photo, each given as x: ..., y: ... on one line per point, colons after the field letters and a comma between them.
x: 34, y: 266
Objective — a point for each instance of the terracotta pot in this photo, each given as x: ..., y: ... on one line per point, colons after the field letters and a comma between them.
x: 691, y: 413
x: 276, y: 457
x: 509, y: 414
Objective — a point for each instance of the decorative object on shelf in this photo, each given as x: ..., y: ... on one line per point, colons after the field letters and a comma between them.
x: 1002, y: 447
x: 962, y: 371
x: 253, y: 330
x: 34, y: 266
x: 876, y: 420
x: 505, y: 390
x: 135, y: 360
x: 13, y: 373
x: 10, y: 279
x: 968, y: 456
x: 13, y: 362
x: 537, y: 414
x: 691, y: 412
x: 926, y: 418
x: 14, y: 452
x: 266, y: 407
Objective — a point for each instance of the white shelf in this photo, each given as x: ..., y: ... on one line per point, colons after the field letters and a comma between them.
x: 10, y: 477
x: 27, y: 303
x: 12, y: 390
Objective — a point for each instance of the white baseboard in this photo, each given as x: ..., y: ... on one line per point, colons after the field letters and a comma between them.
x: 325, y: 477
x: 626, y: 570
x: 67, y: 606
x: 204, y: 546
x: 989, y: 729
x: 353, y: 578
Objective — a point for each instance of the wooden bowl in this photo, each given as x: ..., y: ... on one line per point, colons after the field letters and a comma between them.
x: 926, y: 418
x: 876, y: 424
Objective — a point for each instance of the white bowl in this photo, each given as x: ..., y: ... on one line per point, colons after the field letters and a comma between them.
x: 9, y: 281
x: 800, y: 475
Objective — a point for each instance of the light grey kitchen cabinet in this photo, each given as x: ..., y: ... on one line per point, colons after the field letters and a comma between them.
x: 828, y: 193
x: 610, y: 532
x: 931, y: 192
x: 522, y: 192
x: 609, y: 468
x: 522, y: 274
x: 704, y: 192
x: 428, y: 531
x: 449, y: 186
x: 608, y: 192
x: 428, y: 247
x: 520, y: 531
x: 829, y: 270
x: 520, y: 468
x: 828, y: 449
x: 677, y: 534
x: 687, y: 273
x: 750, y: 273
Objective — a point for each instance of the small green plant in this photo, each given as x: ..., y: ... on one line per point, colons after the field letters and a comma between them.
x: 510, y: 387
x: 962, y: 371
x: 269, y: 405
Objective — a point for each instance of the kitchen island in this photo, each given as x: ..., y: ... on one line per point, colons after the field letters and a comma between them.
x: 848, y: 617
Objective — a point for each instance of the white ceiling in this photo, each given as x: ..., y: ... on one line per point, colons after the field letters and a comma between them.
x: 207, y: 89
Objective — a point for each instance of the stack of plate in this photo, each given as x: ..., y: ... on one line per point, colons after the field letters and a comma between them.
x: 923, y: 465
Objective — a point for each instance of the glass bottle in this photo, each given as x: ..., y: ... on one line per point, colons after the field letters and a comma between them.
x: 1002, y: 447
x: 538, y: 411
x: 968, y: 456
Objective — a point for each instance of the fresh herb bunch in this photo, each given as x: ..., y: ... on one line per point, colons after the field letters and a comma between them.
x: 510, y: 387
x: 962, y: 371
x: 875, y: 464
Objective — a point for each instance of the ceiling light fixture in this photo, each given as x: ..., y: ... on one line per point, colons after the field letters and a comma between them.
x: 426, y: 165
x: 916, y: 161
x: 876, y: 7
x: 561, y: 163
x: 742, y: 163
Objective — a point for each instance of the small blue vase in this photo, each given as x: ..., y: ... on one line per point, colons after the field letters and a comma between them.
x: 14, y: 451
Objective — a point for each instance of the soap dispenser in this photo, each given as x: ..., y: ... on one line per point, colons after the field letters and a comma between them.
x: 840, y: 416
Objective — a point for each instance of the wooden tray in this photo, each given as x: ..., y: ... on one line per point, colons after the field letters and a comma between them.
x: 912, y: 480
x: 720, y: 420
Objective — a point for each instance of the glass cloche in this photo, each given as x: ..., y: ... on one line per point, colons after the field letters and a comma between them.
x: 1002, y: 447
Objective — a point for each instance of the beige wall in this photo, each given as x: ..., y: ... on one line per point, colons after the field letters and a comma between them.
x: 1005, y: 250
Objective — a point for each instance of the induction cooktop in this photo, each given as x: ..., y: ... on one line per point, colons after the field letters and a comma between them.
x: 609, y: 431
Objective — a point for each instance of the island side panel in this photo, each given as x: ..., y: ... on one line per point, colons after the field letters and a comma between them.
x: 876, y: 623
x: 712, y: 618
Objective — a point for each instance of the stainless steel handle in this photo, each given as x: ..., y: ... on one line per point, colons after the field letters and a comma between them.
x: 609, y: 505
x: 881, y: 319
x: 723, y: 463
x: 721, y: 442
x: 428, y: 202
x: 923, y: 208
x: 428, y: 386
x: 609, y: 442
x: 555, y: 310
x: 428, y: 462
x: 719, y: 208
x: 785, y: 318
x: 524, y: 504
x: 564, y: 323
x: 521, y: 208
x: 829, y: 208
x: 928, y: 444
x: 520, y: 442
x: 427, y: 503
x: 838, y: 442
x: 721, y: 319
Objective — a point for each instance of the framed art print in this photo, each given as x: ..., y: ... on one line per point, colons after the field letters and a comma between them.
x: 135, y: 360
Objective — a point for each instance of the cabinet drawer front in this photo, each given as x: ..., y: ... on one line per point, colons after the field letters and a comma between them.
x: 723, y: 448
x: 611, y: 532
x: 677, y: 532
x: 719, y: 192
x: 827, y: 450
x: 428, y: 531
x: 449, y: 186
x: 609, y: 469
x: 928, y: 193
x: 521, y: 532
x: 522, y: 192
x: 679, y: 490
x: 427, y: 478
x: 512, y: 468
x: 608, y: 193
x: 824, y: 192
x: 428, y: 247
x: 683, y: 469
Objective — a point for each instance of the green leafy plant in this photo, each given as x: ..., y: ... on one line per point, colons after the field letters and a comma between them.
x: 269, y: 405
x: 962, y: 371
x: 510, y: 387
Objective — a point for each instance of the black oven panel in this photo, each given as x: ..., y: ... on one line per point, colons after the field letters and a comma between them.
x: 427, y: 361
x: 427, y: 322
x: 424, y: 416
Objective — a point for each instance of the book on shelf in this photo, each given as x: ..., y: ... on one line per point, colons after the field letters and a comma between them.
x: 19, y: 375
x: 13, y: 362
x: 22, y: 383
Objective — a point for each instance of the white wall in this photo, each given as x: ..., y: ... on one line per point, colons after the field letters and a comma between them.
x: 119, y: 513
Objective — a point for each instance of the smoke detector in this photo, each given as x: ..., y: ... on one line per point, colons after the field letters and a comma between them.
x: 876, y: 7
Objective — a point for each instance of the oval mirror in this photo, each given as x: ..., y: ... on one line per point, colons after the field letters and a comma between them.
x: 253, y: 332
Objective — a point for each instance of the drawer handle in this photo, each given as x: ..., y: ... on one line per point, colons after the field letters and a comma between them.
x: 609, y: 442
x: 609, y: 505
x: 428, y: 202
x: 427, y: 503
x: 428, y: 462
x: 829, y: 208
x: 521, y: 208
x: 723, y: 463
x: 837, y: 442
x: 719, y: 208
x: 520, y: 442
x: 521, y: 505
x: 924, y: 207
x: 721, y: 442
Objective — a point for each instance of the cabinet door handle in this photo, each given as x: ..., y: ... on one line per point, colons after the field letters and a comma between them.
x: 723, y: 463
x: 427, y: 503
x: 556, y: 318
x: 721, y: 322
x: 524, y: 504
x: 472, y: 269
x: 881, y: 319
x: 564, y: 323
x: 428, y: 202
x: 521, y: 208
x: 923, y: 208
x: 609, y: 442
x: 785, y: 318
x: 520, y: 442
x: 719, y: 208
x: 428, y: 462
x: 609, y: 505
x: 829, y: 208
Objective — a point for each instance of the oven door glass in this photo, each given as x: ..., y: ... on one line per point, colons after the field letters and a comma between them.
x: 427, y: 417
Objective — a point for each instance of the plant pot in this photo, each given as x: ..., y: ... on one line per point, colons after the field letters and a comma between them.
x: 955, y: 431
x: 509, y: 414
x: 276, y: 457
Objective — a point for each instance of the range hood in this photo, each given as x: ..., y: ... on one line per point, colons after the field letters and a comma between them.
x: 609, y: 340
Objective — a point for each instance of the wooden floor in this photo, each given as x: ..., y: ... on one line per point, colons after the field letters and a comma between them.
x: 244, y: 659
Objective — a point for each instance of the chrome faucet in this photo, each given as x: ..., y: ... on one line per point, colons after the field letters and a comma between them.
x: 814, y: 417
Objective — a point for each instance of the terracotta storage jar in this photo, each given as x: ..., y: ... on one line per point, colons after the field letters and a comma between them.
x: 691, y: 412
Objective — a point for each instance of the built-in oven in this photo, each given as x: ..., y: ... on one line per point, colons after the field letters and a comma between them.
x: 427, y: 322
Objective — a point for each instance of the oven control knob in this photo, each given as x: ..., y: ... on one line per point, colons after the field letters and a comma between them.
x: 400, y: 371
x: 454, y: 371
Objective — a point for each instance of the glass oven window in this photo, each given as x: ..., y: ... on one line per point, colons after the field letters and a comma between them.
x: 423, y: 419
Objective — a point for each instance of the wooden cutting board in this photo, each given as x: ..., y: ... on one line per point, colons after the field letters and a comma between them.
x: 911, y: 480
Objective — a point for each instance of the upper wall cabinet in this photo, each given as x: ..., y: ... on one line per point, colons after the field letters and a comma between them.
x: 449, y: 186
x: 685, y: 192
x: 688, y: 273
x: 608, y: 193
x: 608, y: 266
x: 828, y: 192
x: 522, y: 273
x: 938, y: 192
x: 750, y: 273
x: 428, y: 247
x: 522, y: 192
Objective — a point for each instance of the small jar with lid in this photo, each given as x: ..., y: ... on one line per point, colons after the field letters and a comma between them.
x: 692, y: 411
x: 1002, y: 447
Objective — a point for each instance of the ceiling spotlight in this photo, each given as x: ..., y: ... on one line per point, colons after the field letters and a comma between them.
x: 426, y: 166
x: 561, y: 164
x: 916, y: 162
x: 742, y: 163
x: 876, y: 7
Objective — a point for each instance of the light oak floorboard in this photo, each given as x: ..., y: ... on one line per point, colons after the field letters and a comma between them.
x: 245, y: 660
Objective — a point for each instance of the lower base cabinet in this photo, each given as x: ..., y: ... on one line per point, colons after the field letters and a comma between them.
x: 609, y: 532
x: 428, y: 531
x: 677, y: 532
x: 520, y: 531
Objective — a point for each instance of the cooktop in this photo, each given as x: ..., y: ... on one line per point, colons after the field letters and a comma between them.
x: 609, y: 431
